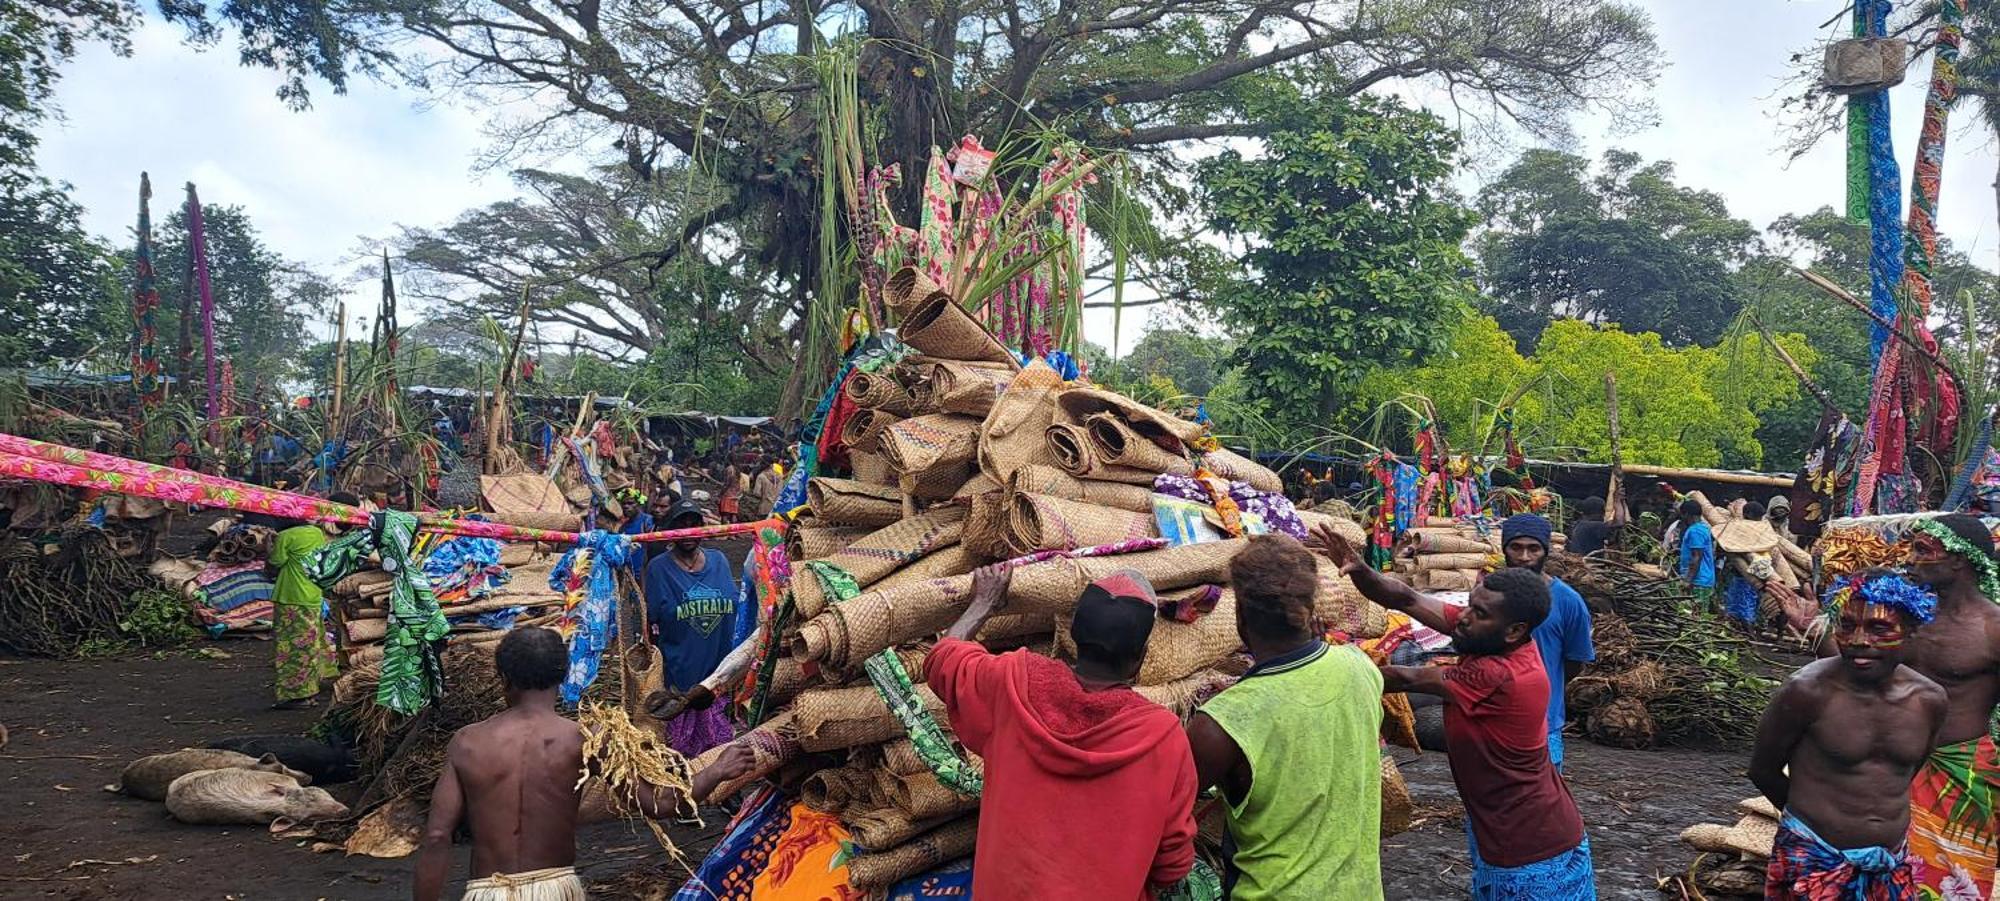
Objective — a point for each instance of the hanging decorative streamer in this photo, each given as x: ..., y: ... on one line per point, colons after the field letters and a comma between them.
x: 936, y: 241
x: 146, y: 384
x: 198, y: 257
x: 411, y: 674
x: 587, y: 575
x: 1932, y: 400
x: 1857, y: 136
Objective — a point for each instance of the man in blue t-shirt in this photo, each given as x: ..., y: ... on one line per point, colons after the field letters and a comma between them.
x: 1697, y: 554
x: 691, y: 610
x: 1563, y: 638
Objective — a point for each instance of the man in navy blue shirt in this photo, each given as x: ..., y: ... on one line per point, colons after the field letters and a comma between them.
x: 692, y: 607
x: 1563, y: 638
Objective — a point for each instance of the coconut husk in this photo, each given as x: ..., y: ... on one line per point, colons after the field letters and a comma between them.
x: 862, y: 431
x: 1396, y: 805
x: 877, y: 391
x: 1723, y: 878
x: 1053, y: 481
x: 1014, y: 432
x: 881, y: 869
x: 1585, y: 694
x: 1039, y: 522
x: 933, y: 453
x: 934, y: 323
x: 1623, y: 723
x: 1645, y: 681
x: 845, y: 502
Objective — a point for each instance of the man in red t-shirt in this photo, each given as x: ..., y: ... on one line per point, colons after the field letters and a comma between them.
x: 1090, y: 788
x: 1522, y: 827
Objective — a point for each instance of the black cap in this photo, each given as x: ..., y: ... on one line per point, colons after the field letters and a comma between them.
x: 682, y: 509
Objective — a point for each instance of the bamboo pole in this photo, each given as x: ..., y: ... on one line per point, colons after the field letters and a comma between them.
x: 1617, y: 485
x: 496, y: 416
x: 333, y: 423
x: 1895, y: 331
x: 1798, y: 372
x: 1730, y: 478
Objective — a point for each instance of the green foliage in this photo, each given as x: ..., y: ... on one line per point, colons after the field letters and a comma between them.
x: 157, y: 618
x: 36, y: 38
x: 1353, y: 256
x: 1628, y: 246
x: 59, y: 287
x: 1194, y: 363
x: 1688, y: 406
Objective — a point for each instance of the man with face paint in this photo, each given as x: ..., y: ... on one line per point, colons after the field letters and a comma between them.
x: 1839, y: 744
x: 1563, y: 638
x: 1522, y: 827
x: 1953, y: 828
x: 692, y: 609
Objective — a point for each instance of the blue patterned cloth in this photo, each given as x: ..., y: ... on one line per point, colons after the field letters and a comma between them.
x: 725, y: 874
x: 1565, y: 877
x: 953, y: 880
x: 597, y: 555
x: 1407, y: 477
x: 1739, y: 600
x: 457, y: 562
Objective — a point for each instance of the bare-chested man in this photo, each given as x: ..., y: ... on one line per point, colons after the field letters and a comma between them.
x: 513, y: 778
x: 1852, y: 730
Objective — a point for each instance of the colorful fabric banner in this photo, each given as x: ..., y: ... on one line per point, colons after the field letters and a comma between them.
x: 412, y: 675
x: 198, y: 255
x: 147, y: 387
x: 587, y: 575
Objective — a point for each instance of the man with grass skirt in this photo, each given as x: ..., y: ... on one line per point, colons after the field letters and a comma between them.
x: 1838, y: 746
x: 1953, y: 829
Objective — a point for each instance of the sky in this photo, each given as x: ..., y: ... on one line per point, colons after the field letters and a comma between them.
x: 328, y: 184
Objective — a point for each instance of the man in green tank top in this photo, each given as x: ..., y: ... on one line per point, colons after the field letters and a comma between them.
x: 1294, y: 744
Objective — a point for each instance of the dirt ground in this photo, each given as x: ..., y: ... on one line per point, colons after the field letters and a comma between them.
x: 74, y: 725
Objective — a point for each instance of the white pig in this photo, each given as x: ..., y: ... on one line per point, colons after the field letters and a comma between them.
x: 148, y: 777
x: 250, y: 797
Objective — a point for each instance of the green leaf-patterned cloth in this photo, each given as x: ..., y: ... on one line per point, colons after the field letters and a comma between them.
x: 412, y: 675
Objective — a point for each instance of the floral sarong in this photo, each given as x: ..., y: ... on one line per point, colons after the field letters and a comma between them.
x: 303, y: 652
x: 1952, y: 829
x: 1805, y: 868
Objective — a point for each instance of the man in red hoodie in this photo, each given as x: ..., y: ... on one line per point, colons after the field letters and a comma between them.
x: 1089, y: 787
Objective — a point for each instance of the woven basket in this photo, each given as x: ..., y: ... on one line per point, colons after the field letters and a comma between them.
x: 1238, y: 468
x: 898, y: 545
x: 818, y: 540
x: 969, y: 388
x: 933, y: 453
x: 1038, y: 522
x: 1075, y: 453
x: 986, y: 527
x: 886, y: 826
x: 922, y: 796
x: 1434, y: 562
x: 872, y: 467
x: 838, y: 788
x: 939, y: 327
x: 1441, y: 543
x: 1013, y: 433
x: 1178, y: 650
x: 1079, y: 404
x: 877, y: 391
x: 1117, y: 444
x: 1053, y: 481
x: 772, y: 745
x: 1396, y: 806
x: 1346, y: 528
x: 845, y: 502
x: 1182, y: 696
x: 830, y: 719
x: 918, y: 855
x: 1339, y: 605
x: 863, y: 430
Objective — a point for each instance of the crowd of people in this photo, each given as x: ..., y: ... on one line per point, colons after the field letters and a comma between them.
x: 1880, y: 756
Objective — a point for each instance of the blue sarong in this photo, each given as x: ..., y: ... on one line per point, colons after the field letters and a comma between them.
x: 1556, y: 748
x: 1565, y: 877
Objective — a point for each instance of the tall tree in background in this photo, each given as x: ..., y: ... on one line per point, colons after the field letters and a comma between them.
x: 1352, y: 257
x: 261, y: 302
x: 60, y: 296
x: 1625, y: 245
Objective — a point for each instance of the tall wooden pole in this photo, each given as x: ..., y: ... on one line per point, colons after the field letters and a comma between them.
x: 333, y: 422
x: 496, y: 415
x: 1617, y: 452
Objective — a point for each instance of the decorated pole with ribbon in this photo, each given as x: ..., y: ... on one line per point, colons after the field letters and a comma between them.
x: 146, y: 392
x: 41, y: 461
x: 198, y: 261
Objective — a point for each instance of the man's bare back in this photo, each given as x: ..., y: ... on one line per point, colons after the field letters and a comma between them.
x: 518, y: 772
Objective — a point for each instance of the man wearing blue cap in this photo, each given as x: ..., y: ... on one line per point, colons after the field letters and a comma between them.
x: 1563, y: 638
